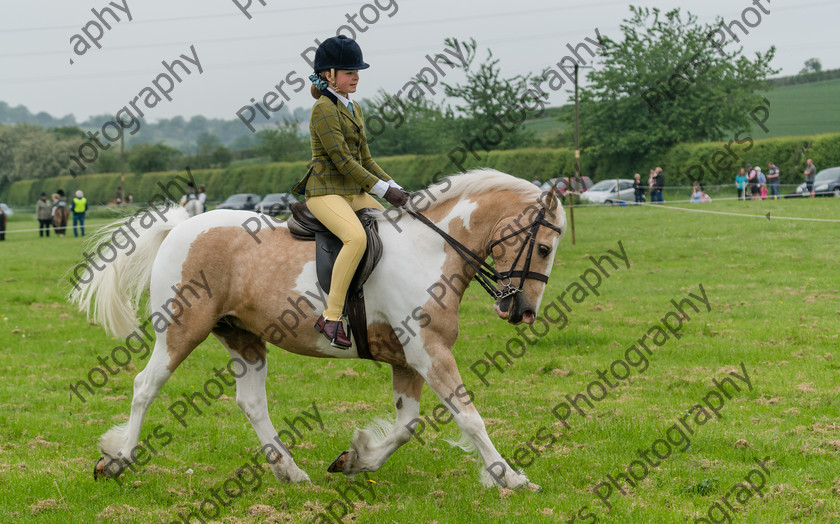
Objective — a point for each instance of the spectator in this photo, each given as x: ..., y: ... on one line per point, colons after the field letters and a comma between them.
x: 639, y: 189
x: 659, y: 185
x: 537, y: 182
x: 190, y: 195
x: 59, y: 213
x: 202, y: 197
x: 696, y: 194
x: 705, y: 198
x: 752, y: 179
x: 119, y: 195
x: 2, y: 224
x: 740, y: 183
x: 79, y: 210
x: 762, y: 182
x: 773, y: 177
x: 43, y: 211
x: 810, y: 171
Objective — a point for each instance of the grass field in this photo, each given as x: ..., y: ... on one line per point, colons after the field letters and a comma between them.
x: 804, y: 109
x: 772, y: 287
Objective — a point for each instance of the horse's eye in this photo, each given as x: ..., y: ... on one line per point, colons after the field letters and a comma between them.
x: 544, y: 250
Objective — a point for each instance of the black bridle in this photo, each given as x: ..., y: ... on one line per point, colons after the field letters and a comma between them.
x: 485, y: 274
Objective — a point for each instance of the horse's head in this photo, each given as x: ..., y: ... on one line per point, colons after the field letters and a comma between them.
x: 523, y: 247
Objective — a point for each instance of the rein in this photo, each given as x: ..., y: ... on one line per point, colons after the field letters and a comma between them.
x: 485, y: 274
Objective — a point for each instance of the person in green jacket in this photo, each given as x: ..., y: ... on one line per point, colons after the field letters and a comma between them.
x: 342, y: 171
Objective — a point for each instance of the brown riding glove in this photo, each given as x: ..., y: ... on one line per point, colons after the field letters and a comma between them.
x: 397, y: 197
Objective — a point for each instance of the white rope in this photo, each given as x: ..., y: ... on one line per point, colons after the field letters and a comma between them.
x: 767, y: 216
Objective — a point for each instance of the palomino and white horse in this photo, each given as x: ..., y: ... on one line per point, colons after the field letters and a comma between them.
x: 254, y: 279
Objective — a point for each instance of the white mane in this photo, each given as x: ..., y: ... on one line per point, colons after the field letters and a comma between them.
x: 477, y: 182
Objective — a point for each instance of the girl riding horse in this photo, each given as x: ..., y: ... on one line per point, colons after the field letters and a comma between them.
x: 342, y: 171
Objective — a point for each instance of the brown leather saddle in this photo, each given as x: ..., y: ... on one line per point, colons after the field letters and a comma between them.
x: 304, y: 226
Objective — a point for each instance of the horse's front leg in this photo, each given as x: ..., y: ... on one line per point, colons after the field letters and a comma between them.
x: 371, y: 447
x: 445, y: 380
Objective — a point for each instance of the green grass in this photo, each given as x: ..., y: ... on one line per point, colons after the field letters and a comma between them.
x: 773, y: 288
x: 805, y: 109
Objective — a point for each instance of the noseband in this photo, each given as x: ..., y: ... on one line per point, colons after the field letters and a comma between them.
x: 485, y: 274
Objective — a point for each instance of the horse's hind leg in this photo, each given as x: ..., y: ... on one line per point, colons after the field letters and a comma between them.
x: 172, y: 346
x: 250, y: 367
x: 118, y: 445
x: 371, y: 447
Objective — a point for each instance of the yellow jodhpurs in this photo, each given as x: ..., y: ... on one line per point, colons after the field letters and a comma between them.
x: 338, y: 214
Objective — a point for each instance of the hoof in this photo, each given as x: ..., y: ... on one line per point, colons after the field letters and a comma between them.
x: 99, y: 469
x: 338, y: 464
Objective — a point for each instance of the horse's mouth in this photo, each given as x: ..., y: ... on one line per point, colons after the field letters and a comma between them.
x: 508, y: 309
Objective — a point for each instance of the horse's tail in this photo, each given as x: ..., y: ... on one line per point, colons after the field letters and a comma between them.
x: 111, y: 295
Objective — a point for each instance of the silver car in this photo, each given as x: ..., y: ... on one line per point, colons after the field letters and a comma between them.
x: 604, y: 192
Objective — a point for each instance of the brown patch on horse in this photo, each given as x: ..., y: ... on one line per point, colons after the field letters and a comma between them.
x: 248, y: 345
x: 384, y: 344
x: 407, y: 383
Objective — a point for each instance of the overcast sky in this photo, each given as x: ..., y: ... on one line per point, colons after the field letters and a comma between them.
x: 244, y: 58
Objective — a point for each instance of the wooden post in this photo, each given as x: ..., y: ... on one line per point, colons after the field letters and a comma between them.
x: 577, y: 160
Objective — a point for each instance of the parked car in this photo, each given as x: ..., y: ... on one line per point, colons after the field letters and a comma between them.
x: 826, y: 183
x: 241, y: 201
x: 7, y: 210
x: 277, y: 204
x: 604, y: 192
x: 579, y: 184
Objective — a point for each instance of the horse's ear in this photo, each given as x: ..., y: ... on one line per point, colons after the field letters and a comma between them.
x: 549, y: 201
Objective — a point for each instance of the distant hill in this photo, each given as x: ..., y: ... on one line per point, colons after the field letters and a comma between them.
x: 799, y: 105
x: 804, y: 109
x: 176, y: 132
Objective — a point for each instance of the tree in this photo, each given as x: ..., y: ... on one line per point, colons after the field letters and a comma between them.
x: 406, y: 127
x: 145, y: 158
x: 28, y: 151
x: 491, y: 101
x: 207, y: 142
x: 812, y: 65
x: 667, y: 83
x: 221, y: 157
x: 285, y: 143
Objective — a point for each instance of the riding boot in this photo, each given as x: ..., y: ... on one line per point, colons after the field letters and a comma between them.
x: 334, y: 331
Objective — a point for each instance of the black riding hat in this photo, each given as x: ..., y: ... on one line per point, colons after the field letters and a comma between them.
x: 339, y: 52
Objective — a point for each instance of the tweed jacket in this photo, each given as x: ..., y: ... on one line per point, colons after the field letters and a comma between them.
x: 341, y: 162
x: 43, y: 210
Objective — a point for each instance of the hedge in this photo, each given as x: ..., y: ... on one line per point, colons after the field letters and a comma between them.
x: 682, y: 164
